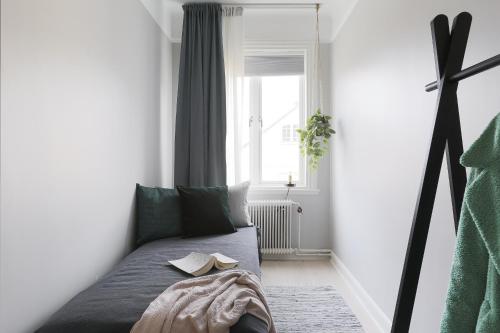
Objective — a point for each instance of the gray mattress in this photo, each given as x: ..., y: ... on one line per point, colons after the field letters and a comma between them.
x: 117, y: 301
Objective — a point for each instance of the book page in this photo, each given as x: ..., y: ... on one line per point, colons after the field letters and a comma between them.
x: 195, y: 263
x: 223, y: 262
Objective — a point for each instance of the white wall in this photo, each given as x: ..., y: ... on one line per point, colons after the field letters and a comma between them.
x: 277, y: 24
x: 167, y: 118
x: 299, y: 25
x: 315, y: 232
x: 287, y: 25
x: 80, y: 125
x: 381, y: 61
x: 315, y: 222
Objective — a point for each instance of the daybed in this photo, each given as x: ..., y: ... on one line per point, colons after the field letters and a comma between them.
x: 117, y: 301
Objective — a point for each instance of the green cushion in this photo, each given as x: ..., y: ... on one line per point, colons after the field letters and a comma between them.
x: 205, y: 211
x: 158, y: 213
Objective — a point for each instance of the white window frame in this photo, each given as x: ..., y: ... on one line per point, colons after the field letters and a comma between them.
x: 308, y: 185
x: 286, y: 133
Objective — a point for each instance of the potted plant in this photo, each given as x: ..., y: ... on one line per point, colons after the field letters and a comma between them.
x: 314, y: 138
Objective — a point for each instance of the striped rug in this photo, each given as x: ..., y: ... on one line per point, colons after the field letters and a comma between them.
x: 310, y: 310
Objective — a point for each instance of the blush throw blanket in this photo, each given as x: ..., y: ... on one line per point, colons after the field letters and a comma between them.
x: 211, y: 303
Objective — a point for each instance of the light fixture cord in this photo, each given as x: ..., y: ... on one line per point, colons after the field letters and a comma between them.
x: 318, y: 58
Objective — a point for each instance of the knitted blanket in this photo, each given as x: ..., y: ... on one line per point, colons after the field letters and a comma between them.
x: 211, y: 304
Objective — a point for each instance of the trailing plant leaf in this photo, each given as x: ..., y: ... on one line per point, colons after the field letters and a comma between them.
x: 314, y: 138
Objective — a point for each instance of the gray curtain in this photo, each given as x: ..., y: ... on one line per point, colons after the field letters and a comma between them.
x: 200, y: 131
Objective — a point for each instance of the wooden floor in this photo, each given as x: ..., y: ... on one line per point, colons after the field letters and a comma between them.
x: 297, y: 273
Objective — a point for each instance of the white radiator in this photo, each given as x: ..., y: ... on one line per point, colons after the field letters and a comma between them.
x: 274, y: 218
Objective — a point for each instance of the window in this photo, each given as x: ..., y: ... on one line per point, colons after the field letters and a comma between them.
x: 286, y: 133
x: 274, y: 104
x: 295, y: 134
x: 289, y: 133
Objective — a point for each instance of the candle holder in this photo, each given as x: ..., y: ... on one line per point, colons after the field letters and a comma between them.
x: 288, y: 187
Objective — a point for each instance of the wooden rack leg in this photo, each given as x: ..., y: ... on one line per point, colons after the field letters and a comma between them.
x: 456, y: 172
x: 454, y: 148
x: 449, y: 52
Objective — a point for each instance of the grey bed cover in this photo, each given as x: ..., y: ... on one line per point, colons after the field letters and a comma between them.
x: 117, y: 301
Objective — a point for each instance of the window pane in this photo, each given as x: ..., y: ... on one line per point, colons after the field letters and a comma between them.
x: 285, y: 133
x: 280, y: 116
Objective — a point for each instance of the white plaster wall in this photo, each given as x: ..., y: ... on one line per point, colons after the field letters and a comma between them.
x: 277, y: 24
x: 381, y: 60
x: 167, y: 118
x: 80, y: 125
x: 316, y: 219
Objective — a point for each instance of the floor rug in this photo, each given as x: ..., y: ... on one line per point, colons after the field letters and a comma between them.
x: 310, y: 310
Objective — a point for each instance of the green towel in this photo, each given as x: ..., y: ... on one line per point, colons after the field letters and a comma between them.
x: 473, y: 301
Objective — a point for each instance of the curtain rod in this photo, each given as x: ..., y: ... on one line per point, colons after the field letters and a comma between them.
x: 276, y: 5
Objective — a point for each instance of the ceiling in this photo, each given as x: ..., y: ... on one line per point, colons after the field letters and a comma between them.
x: 333, y: 14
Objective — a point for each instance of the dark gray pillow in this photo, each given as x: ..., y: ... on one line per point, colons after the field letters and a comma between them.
x: 158, y: 214
x: 205, y: 211
x: 238, y: 205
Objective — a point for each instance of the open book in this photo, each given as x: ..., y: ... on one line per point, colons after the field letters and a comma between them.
x: 199, y: 263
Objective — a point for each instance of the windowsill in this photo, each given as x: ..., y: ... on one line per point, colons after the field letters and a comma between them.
x: 283, y: 189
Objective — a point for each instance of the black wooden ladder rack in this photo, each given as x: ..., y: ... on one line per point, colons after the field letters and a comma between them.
x: 449, y: 50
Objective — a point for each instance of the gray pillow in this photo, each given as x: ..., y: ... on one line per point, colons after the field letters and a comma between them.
x: 238, y: 205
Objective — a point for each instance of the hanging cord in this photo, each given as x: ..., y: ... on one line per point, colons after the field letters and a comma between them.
x: 318, y: 58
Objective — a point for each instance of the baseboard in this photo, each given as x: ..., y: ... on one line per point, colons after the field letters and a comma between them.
x: 374, y: 320
x: 303, y: 254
